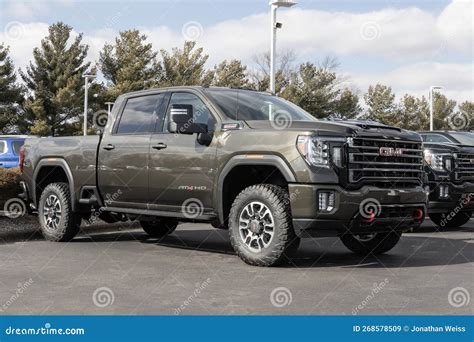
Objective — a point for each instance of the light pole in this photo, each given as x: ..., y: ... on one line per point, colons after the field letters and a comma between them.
x: 275, y: 4
x: 432, y: 89
x: 109, y: 107
x: 86, y: 96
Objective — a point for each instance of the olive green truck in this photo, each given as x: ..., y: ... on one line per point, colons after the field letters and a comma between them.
x: 245, y: 161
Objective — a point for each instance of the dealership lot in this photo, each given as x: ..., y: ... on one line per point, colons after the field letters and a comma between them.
x: 116, y: 269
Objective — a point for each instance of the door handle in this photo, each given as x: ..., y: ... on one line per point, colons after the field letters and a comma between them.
x: 159, y: 146
x: 109, y: 147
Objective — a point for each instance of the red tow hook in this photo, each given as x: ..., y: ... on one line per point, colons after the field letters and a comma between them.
x: 418, y: 214
x: 369, y: 219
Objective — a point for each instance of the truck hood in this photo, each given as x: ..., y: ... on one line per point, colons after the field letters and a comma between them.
x: 339, y: 128
x: 452, y: 148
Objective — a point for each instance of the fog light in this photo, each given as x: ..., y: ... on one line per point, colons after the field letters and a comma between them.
x: 443, y: 191
x: 326, y: 201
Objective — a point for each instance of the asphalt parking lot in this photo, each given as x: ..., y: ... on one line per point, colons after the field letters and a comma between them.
x: 118, y: 270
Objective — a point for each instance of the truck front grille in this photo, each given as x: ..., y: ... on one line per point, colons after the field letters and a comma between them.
x: 385, y: 162
x: 464, y: 166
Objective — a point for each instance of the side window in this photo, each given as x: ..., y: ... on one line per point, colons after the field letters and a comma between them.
x: 138, y: 116
x: 16, y: 145
x: 435, y: 138
x: 201, y: 113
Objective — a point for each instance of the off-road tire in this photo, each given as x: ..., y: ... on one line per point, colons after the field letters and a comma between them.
x: 278, y: 202
x: 159, y: 227
x: 379, y: 244
x: 69, y: 222
x: 457, y: 221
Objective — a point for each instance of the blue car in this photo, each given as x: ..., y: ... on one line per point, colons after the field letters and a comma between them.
x: 10, y: 150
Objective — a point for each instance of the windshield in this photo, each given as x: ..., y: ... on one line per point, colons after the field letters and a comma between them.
x: 3, y: 147
x: 464, y: 138
x: 251, y: 105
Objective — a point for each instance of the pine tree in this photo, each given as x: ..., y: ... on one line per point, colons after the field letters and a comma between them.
x: 129, y: 65
x: 381, y: 105
x: 231, y: 74
x: 413, y: 113
x: 54, y: 79
x: 11, y: 94
x: 185, y: 67
x: 466, y: 114
x: 443, y: 112
x: 347, y: 105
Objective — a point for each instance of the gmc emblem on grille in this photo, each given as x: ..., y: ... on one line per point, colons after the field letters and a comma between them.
x: 390, y: 151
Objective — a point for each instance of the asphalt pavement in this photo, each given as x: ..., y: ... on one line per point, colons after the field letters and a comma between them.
x: 117, y: 269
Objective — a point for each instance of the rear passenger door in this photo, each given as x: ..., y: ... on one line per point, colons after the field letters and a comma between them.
x: 124, y: 154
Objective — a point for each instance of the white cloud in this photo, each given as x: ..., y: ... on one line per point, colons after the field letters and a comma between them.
x: 456, y: 79
x: 411, y: 37
x: 31, y: 8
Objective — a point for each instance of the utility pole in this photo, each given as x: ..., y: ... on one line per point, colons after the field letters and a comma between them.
x: 432, y: 89
x: 86, y: 98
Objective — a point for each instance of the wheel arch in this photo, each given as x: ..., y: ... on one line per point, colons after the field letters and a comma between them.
x: 269, y: 160
x: 56, y: 170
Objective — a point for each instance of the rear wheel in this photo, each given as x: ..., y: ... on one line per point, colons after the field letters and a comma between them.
x: 260, y: 225
x: 445, y: 220
x: 58, y: 221
x: 159, y: 227
x: 376, y: 243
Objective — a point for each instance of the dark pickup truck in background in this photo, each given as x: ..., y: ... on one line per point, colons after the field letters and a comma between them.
x: 242, y: 160
x: 449, y: 160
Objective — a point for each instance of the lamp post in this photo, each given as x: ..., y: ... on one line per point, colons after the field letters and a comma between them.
x: 86, y: 96
x: 275, y: 4
x: 109, y: 107
x: 432, y: 89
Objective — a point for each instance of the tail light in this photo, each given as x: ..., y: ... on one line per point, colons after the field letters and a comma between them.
x: 22, y: 158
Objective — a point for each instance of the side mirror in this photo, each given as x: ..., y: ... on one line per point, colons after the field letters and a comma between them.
x: 182, y: 120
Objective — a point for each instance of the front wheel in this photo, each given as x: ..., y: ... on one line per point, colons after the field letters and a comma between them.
x: 456, y: 221
x: 159, y: 227
x: 260, y: 225
x: 376, y: 243
x: 58, y: 221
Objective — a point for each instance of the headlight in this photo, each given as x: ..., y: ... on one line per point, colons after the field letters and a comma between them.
x: 314, y: 150
x: 438, y: 161
x: 317, y: 150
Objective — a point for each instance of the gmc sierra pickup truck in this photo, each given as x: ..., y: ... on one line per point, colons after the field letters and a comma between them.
x: 449, y: 160
x: 245, y: 161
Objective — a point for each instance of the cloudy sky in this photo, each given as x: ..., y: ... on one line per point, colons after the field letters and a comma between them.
x: 409, y: 45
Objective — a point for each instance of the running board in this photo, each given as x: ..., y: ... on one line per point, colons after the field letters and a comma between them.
x: 149, y: 212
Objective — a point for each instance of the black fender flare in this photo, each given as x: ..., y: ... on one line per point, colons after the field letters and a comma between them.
x: 67, y: 170
x: 265, y: 159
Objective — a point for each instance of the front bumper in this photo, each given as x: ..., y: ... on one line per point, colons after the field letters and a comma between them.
x: 456, y: 198
x: 393, y: 209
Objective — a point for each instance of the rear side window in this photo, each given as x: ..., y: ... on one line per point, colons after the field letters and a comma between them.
x: 16, y: 145
x: 138, y: 116
x: 435, y: 138
x: 3, y: 147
